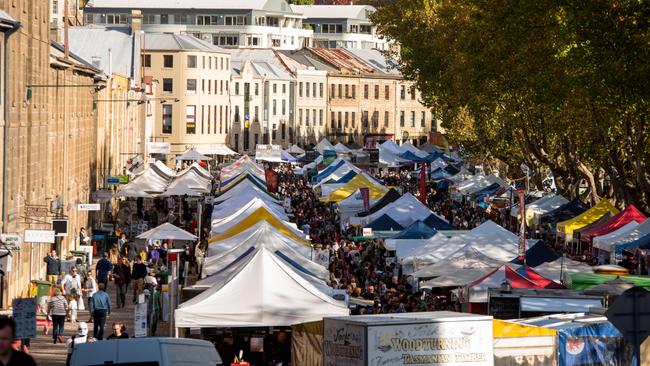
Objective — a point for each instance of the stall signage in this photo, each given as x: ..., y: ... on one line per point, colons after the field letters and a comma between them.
x: 88, y: 207
x: 102, y: 195
x: 113, y: 180
x: 447, y: 343
x: 24, y: 314
x: 343, y: 344
x: 160, y: 148
x: 36, y: 211
x: 39, y: 236
x: 124, y: 179
x: 367, y: 231
x: 11, y: 241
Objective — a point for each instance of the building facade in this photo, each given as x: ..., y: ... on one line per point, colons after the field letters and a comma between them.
x: 192, y: 80
x: 48, y: 143
x: 342, y: 26
x: 226, y: 23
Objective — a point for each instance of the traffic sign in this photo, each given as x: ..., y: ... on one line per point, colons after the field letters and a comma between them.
x: 630, y: 314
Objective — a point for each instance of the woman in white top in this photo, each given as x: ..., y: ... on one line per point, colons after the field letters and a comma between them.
x: 90, y: 288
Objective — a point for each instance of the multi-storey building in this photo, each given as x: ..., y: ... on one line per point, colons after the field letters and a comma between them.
x: 193, y: 83
x: 261, y: 100
x: 342, y: 26
x: 48, y: 140
x: 58, y: 14
x: 226, y: 23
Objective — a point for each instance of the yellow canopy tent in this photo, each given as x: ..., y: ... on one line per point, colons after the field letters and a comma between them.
x: 252, y: 219
x: 593, y: 214
x: 514, y: 340
x: 359, y: 181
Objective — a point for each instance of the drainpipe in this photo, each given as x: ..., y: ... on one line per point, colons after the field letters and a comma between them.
x: 8, y: 33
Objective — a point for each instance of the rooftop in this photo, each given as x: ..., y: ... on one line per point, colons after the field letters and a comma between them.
x: 264, y: 69
x: 343, y: 60
x: 177, y: 42
x: 270, y: 5
x: 117, y: 48
x: 334, y: 11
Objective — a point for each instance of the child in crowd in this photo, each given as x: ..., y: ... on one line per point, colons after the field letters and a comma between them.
x: 73, y: 307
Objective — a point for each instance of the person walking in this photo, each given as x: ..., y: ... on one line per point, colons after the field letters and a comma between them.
x: 156, y: 306
x: 79, y: 338
x: 122, y: 277
x: 137, y: 275
x: 90, y: 288
x: 71, y: 283
x: 100, y: 308
x: 57, y: 308
x: 8, y: 355
x: 53, y: 266
x: 118, y: 331
x: 103, y: 267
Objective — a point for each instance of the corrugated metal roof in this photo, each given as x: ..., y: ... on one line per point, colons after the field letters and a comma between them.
x: 93, y: 44
x: 177, y: 42
x: 376, y: 59
x: 343, y: 60
x: 274, y: 5
x: 306, y: 59
x: 261, y: 69
x: 334, y: 11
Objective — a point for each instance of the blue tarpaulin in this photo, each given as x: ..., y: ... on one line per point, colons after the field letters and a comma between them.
x: 439, y: 173
x: 417, y: 230
x: 438, y: 223
x: 565, y: 212
x: 385, y: 223
x: 593, y: 344
x: 538, y: 254
x: 487, y: 191
x: 641, y: 243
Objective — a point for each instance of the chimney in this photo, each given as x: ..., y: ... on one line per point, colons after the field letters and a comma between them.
x: 66, y: 38
x: 136, y: 21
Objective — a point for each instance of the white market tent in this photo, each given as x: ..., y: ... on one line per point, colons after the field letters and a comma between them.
x: 461, y: 176
x: 242, y: 187
x: 193, y: 155
x: 408, y: 146
x: 391, y: 147
x: 235, y: 206
x: 412, y: 247
x: 193, y: 181
x: 556, y: 269
x: 391, y: 159
x: 352, y: 205
x: 295, y: 150
x: 263, y: 292
x: 167, y: 231
x: 163, y: 169
x: 242, y: 199
x: 256, y: 213
x: 470, y: 260
x: 641, y: 230
x: 478, y: 182
x: 323, y: 145
x: 606, y: 241
x: 538, y: 208
x: 457, y: 278
x: 243, y: 164
x: 222, y: 150
x: 222, y: 246
x: 267, y: 237
x: 405, y: 210
x: 341, y: 149
x: 149, y: 183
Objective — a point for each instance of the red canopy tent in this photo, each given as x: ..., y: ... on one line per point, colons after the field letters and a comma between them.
x: 617, y: 221
x: 537, y: 278
x: 478, y: 289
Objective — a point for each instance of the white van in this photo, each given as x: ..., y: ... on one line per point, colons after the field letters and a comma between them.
x: 146, y: 352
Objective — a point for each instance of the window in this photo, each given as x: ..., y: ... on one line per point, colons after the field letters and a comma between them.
x: 401, y: 118
x: 148, y: 19
x: 275, y: 107
x: 413, y: 93
x: 203, y: 62
x: 226, y: 40
x: 168, y: 85
x: 402, y: 92
x: 168, y: 60
x: 191, y: 86
x: 252, y: 41
x: 321, y: 90
x: 332, y: 120
x: 220, y: 87
x: 386, y: 92
x: 236, y: 116
x: 423, y: 116
x: 364, y: 119
x: 167, y: 118
x: 412, y: 119
x: 284, y: 107
x: 256, y: 117
x: 300, y: 89
x: 320, y: 116
x: 164, y: 18
x: 236, y: 88
x: 300, y: 116
x: 117, y: 19
x: 333, y: 91
x: 146, y: 60
x: 210, y: 86
x: 257, y: 89
x: 284, y: 88
x: 235, y: 20
x: 347, y: 91
x: 434, y: 123
x: 345, y: 123
x: 365, y: 91
x: 307, y: 90
x: 376, y: 91
x: 206, y: 19
x: 340, y: 90
x: 190, y: 119
x: 375, y: 119
x: 203, y: 119
x: 331, y: 28
x: 340, y: 120
x: 275, y: 88
x: 191, y: 62
x: 180, y: 19
x: 386, y: 118
x: 354, y: 119
x: 313, y: 116
x: 313, y: 88
x: 354, y: 92
x: 203, y: 86
x: 307, y: 117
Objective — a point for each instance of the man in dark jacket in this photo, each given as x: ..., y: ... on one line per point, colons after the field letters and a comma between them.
x: 103, y: 267
x: 122, y: 276
x: 138, y: 275
x: 53, y: 266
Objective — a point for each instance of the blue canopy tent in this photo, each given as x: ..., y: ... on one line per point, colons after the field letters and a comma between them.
x: 250, y: 176
x: 439, y: 173
x: 434, y: 221
x: 590, y: 344
x: 412, y: 157
x: 391, y: 196
x: 640, y: 243
x: 452, y: 170
x: 385, y: 223
x: 417, y: 230
x: 285, y: 156
x: 327, y: 171
x: 437, y: 155
x: 538, y: 254
x: 487, y: 191
x: 565, y: 212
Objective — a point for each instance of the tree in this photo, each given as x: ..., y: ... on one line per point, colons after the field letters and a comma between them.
x: 556, y: 85
x: 301, y: 2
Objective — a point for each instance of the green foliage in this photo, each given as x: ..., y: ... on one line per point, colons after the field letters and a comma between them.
x: 560, y: 86
x: 301, y: 2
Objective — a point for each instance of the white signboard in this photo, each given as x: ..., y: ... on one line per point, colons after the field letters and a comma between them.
x: 12, y: 241
x: 447, y: 343
x: 89, y: 207
x: 367, y: 231
x: 322, y: 257
x: 343, y: 344
x: 24, y: 314
x: 140, y: 320
x: 159, y: 148
x: 39, y: 236
x: 271, y: 153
